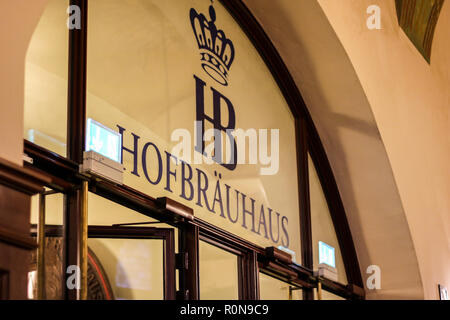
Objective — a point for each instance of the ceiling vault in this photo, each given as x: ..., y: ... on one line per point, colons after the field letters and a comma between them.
x: 418, y: 18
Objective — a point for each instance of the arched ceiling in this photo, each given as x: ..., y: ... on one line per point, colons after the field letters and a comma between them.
x: 338, y: 104
x: 419, y: 19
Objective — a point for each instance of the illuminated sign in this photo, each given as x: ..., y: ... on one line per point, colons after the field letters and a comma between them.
x: 326, y: 254
x: 103, y: 140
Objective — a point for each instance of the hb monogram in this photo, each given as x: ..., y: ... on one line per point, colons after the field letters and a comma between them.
x: 217, y: 55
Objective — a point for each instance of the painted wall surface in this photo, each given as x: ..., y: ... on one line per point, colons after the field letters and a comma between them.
x: 22, y: 17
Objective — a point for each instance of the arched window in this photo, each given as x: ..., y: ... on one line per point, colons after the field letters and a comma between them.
x: 215, y: 144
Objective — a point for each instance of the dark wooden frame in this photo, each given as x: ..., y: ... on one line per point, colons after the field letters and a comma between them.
x: 64, y: 175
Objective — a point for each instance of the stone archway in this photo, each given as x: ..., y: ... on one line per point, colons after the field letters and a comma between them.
x: 344, y: 118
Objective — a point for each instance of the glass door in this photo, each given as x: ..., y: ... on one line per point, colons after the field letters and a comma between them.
x: 46, y: 268
x: 219, y: 273
x: 271, y: 288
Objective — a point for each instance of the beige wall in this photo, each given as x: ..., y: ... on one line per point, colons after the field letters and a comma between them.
x: 17, y: 22
x: 410, y: 102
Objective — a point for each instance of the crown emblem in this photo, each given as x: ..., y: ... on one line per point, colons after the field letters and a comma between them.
x: 217, y: 52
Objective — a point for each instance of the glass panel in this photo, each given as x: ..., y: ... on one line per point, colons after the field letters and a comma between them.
x: 322, y: 224
x: 103, y: 212
x: 132, y: 268
x: 274, y: 289
x: 146, y: 80
x: 46, y: 68
x: 218, y: 273
x: 54, y: 208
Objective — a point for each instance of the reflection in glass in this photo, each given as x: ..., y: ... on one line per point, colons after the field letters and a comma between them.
x: 53, y: 270
x: 218, y: 273
x: 53, y: 246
